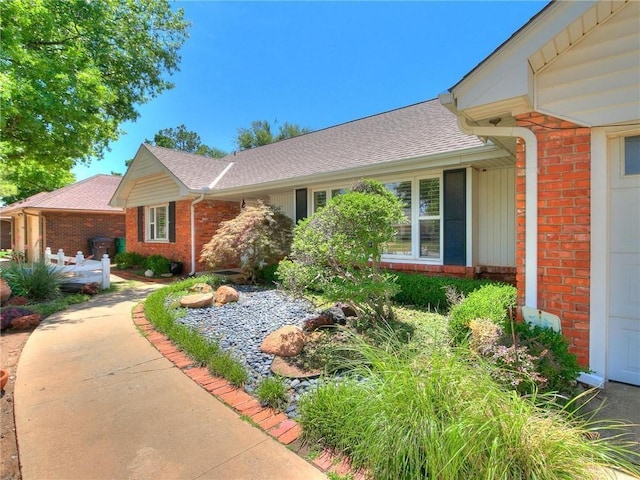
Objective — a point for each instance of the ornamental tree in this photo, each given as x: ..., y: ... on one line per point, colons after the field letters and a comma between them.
x: 338, y: 250
x: 260, y: 235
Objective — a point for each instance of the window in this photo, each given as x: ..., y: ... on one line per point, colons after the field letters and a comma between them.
x: 429, y: 218
x: 157, y: 222
x: 321, y: 197
x: 401, y: 244
x: 632, y: 155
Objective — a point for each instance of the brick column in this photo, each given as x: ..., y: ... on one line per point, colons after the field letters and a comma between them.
x: 564, y: 224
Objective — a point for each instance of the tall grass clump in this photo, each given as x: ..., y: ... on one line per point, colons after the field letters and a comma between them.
x: 38, y: 281
x: 405, y: 414
x: 200, y: 349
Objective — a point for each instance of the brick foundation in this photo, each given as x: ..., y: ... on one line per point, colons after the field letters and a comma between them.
x: 564, y: 224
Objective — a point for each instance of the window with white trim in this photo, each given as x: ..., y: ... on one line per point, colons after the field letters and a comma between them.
x: 157, y: 223
x: 632, y: 155
x: 321, y: 197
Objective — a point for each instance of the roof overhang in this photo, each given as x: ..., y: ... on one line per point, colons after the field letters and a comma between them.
x: 503, y: 84
x: 489, y: 155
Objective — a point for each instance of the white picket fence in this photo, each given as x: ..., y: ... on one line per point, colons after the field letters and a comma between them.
x: 79, y: 269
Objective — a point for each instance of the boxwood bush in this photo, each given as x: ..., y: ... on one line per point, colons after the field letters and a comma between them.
x: 492, y: 302
x: 430, y: 292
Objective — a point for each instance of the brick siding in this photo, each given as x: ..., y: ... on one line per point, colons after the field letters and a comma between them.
x: 564, y: 224
x: 72, y: 231
x: 208, y: 216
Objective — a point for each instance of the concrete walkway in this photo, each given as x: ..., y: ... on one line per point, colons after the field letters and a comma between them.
x: 95, y: 400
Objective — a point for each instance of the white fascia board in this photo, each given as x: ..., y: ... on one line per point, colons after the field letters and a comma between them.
x: 506, y: 73
x: 461, y: 158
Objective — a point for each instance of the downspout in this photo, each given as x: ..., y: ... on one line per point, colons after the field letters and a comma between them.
x: 531, y: 198
x: 193, y: 231
x: 193, y: 216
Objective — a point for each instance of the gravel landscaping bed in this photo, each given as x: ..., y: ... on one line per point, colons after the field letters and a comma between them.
x: 240, y: 328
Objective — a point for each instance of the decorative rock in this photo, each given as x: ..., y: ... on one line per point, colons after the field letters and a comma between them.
x: 28, y: 321
x: 314, y: 323
x: 17, y: 301
x: 346, y: 309
x: 226, y: 294
x: 5, y: 291
x: 284, y: 342
x: 148, y: 273
x: 280, y: 366
x: 8, y: 315
x: 201, y: 288
x: 197, y: 300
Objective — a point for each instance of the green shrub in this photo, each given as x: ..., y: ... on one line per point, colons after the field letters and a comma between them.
x: 157, y: 263
x: 267, y: 274
x: 129, y: 260
x: 37, y: 281
x: 554, y: 361
x: 490, y: 302
x: 431, y: 292
x: 406, y: 414
x: 272, y: 392
x: 338, y: 250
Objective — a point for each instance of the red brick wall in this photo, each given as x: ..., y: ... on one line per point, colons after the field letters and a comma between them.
x: 72, y: 231
x: 564, y: 224
x: 208, y: 216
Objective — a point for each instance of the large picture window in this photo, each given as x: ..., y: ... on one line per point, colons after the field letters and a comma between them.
x: 157, y: 223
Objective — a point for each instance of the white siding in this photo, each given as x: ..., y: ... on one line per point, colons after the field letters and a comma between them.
x: 153, y: 190
x: 284, y: 201
x: 596, y: 81
x: 496, y: 235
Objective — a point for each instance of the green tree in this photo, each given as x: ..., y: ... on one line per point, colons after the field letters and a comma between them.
x: 19, y: 181
x: 180, y: 138
x: 338, y: 250
x: 73, y: 71
x: 259, y: 133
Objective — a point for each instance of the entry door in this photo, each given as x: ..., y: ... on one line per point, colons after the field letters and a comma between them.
x: 624, y: 256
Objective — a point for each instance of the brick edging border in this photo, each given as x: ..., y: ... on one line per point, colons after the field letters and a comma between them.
x: 280, y: 427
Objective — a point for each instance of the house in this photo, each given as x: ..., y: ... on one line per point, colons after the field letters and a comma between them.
x: 457, y: 188
x: 66, y: 218
x: 527, y: 170
x: 563, y: 93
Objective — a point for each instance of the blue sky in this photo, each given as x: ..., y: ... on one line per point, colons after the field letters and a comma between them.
x: 316, y: 64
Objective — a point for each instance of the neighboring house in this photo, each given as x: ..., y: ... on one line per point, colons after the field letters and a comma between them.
x: 566, y: 86
x: 67, y: 218
x: 5, y: 233
x: 557, y: 214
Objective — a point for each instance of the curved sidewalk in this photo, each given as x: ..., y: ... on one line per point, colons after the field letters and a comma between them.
x: 95, y: 400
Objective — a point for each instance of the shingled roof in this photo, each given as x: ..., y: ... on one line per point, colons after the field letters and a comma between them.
x: 93, y: 193
x: 416, y: 131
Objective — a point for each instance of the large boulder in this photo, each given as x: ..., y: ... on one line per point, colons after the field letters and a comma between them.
x: 226, y: 294
x: 201, y: 288
x: 5, y: 291
x: 284, y: 342
x: 197, y: 300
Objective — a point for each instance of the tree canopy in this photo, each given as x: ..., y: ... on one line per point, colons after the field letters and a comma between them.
x: 180, y: 138
x: 259, y: 133
x: 73, y: 71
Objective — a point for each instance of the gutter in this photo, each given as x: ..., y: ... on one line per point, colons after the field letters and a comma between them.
x: 531, y: 198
